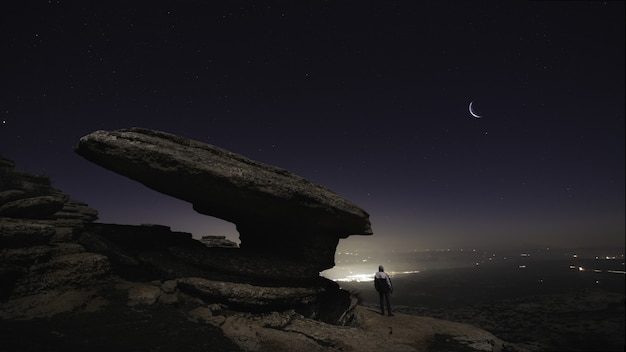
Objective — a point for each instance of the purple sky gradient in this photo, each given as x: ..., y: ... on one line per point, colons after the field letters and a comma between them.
x: 369, y: 99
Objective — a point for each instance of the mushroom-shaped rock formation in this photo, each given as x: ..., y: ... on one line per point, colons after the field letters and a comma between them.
x: 276, y: 212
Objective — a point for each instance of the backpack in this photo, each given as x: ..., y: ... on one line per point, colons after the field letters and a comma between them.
x: 380, y: 284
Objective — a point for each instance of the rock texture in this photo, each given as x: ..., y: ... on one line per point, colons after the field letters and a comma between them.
x: 275, y: 211
x: 38, y: 229
x: 218, y: 241
x: 289, y: 227
x: 368, y: 332
x: 80, y: 285
x: 50, y: 242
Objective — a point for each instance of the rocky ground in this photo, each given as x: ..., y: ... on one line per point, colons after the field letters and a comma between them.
x: 581, y: 321
x: 123, y: 315
x: 559, y: 318
x: 113, y: 319
x: 103, y: 321
x: 68, y: 283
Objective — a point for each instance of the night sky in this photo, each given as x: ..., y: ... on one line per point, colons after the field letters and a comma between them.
x: 368, y: 98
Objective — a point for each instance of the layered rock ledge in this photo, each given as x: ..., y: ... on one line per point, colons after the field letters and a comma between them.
x: 81, y: 285
x: 276, y: 212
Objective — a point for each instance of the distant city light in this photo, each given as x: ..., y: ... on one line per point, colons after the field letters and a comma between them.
x: 354, y: 265
x: 616, y: 271
x: 357, y: 278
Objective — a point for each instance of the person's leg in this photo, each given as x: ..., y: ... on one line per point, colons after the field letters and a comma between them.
x: 388, y: 301
x: 382, y: 306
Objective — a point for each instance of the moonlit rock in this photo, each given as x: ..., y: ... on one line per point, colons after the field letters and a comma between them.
x: 274, y: 209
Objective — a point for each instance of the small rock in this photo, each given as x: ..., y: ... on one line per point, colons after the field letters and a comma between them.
x: 33, y: 208
x: 200, y: 314
x: 169, y: 286
x: 168, y: 298
x: 143, y: 294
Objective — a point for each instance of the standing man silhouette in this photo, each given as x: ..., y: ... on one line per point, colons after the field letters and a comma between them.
x: 382, y: 283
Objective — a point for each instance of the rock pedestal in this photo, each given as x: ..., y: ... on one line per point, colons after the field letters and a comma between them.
x: 289, y: 227
x: 277, y: 213
x: 51, y: 247
x: 149, y: 288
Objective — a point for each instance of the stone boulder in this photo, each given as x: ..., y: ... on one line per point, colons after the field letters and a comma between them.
x: 218, y: 241
x: 76, y: 210
x: 37, y: 226
x: 33, y: 208
x: 245, y: 296
x: 27, y: 196
x: 276, y: 211
x: 73, y: 270
x: 17, y: 234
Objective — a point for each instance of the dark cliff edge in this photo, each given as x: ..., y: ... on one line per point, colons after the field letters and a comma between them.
x: 68, y: 282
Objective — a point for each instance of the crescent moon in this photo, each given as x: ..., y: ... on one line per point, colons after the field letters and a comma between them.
x: 471, y: 111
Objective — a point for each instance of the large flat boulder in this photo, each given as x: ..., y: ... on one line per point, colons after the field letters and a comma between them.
x: 221, y: 183
x: 40, y: 207
x: 274, y: 209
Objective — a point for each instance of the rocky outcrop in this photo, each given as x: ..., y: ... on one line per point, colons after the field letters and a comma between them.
x: 45, y: 210
x: 248, y: 296
x: 81, y: 285
x: 48, y: 248
x: 289, y: 227
x: 218, y: 241
x: 33, y: 207
x: 276, y: 211
x: 38, y: 229
x: 154, y: 251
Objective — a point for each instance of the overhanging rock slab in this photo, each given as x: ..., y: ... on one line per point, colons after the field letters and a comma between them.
x: 273, y: 209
